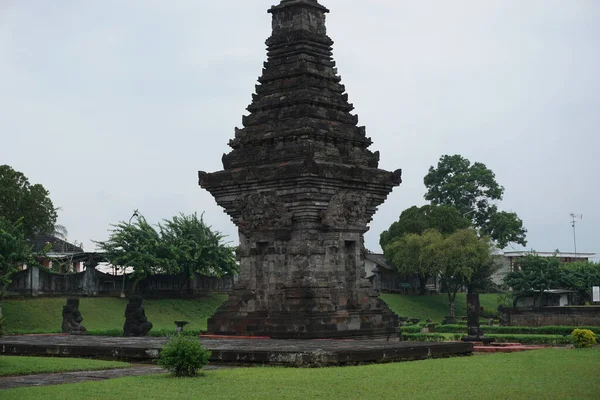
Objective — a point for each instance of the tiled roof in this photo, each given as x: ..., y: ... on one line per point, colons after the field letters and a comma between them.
x: 58, y: 245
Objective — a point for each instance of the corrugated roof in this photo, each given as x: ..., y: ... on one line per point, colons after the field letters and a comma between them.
x: 379, y: 259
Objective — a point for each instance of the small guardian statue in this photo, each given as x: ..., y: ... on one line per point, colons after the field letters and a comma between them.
x: 136, y: 323
x: 72, y: 318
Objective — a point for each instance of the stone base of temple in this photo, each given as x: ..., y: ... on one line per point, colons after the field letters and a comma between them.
x: 381, y: 324
x: 237, y: 351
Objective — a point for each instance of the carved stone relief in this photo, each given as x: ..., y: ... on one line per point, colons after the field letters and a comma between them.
x: 263, y: 211
x: 346, y: 209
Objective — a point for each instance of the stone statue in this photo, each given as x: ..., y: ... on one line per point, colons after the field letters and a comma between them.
x: 72, y: 318
x: 136, y: 323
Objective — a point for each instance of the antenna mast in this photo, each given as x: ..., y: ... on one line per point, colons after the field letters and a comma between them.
x: 574, y: 218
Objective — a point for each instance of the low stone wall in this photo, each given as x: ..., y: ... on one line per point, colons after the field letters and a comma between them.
x: 554, y: 316
x: 36, y: 281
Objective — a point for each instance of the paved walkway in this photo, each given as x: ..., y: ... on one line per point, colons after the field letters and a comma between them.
x: 8, y: 382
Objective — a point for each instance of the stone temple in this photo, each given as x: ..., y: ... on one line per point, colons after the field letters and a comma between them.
x: 301, y: 185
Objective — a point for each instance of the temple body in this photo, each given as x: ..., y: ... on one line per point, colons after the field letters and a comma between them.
x: 301, y: 185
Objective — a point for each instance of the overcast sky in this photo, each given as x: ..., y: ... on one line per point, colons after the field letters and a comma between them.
x: 114, y: 105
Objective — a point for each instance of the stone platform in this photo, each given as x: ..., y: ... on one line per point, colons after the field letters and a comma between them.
x: 311, y: 353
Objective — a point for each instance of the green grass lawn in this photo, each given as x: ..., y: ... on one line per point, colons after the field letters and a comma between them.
x: 44, y: 315
x: 542, y: 374
x: 10, y: 365
x: 434, y: 307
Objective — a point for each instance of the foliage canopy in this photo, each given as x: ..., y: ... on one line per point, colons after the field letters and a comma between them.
x: 182, y: 244
x: 472, y: 189
x: 14, y: 251
x: 535, y: 274
x: 443, y: 218
x: 23, y: 202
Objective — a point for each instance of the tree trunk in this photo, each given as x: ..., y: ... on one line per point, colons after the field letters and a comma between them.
x: 135, y: 283
x: 451, y: 302
x: 423, y: 285
x: 539, y: 300
x: 470, y: 289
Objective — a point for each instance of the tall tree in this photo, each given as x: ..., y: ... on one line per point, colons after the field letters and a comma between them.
x: 462, y: 257
x: 22, y: 201
x: 413, y: 254
x: 199, y: 249
x: 443, y: 218
x: 473, y: 190
x: 14, y: 252
x: 535, y: 274
x: 139, y: 246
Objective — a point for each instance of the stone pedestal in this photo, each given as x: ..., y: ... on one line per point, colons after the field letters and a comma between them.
x: 301, y: 185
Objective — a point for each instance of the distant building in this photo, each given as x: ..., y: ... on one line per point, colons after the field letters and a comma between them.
x: 550, y: 298
x: 385, y: 277
x: 59, y: 252
x: 511, y: 260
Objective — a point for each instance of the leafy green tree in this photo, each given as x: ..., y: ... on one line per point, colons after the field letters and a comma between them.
x: 535, y: 274
x: 461, y: 257
x: 472, y: 189
x: 445, y: 219
x: 581, y: 277
x: 184, y: 244
x: 139, y: 246
x: 14, y: 252
x: 413, y: 254
x: 22, y: 201
x: 198, y: 249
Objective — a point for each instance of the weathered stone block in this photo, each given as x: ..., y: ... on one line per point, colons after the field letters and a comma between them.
x: 301, y: 182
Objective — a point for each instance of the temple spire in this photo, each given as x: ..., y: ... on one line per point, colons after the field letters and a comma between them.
x: 299, y: 15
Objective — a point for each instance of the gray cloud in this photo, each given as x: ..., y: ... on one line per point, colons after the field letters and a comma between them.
x: 116, y: 105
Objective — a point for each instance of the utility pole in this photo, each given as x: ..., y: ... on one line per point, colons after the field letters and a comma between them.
x: 574, y: 218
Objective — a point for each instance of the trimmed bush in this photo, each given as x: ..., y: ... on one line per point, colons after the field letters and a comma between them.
x: 518, y: 330
x: 583, y: 338
x: 183, y: 356
x: 411, y: 329
x: 546, y: 340
x: 429, y: 337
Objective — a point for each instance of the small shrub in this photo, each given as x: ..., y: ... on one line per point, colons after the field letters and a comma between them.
x: 183, y: 356
x: 411, y: 329
x: 583, y: 338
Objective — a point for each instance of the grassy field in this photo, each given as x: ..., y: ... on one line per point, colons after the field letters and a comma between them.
x: 44, y: 315
x: 10, y: 365
x: 434, y: 307
x: 543, y: 374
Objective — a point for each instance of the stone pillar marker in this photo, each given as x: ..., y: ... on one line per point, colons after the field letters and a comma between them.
x: 301, y: 185
x: 474, y: 332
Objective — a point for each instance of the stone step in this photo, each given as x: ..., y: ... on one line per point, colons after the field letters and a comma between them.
x: 509, y: 349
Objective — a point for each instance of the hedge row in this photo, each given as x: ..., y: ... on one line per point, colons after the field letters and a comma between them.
x: 518, y: 330
x: 552, y: 340
x: 430, y: 337
x: 152, y: 333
